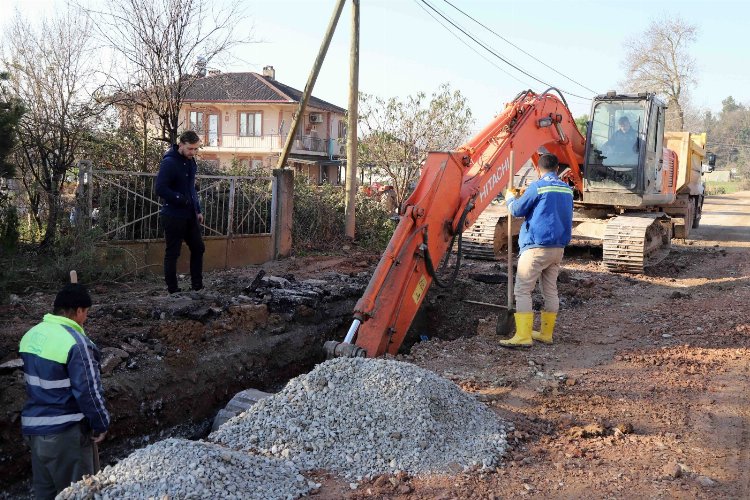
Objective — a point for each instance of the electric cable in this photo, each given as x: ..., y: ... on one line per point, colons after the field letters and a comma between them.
x: 494, y: 52
x: 469, y: 46
x: 519, y: 48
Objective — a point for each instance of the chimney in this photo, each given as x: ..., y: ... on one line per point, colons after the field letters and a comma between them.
x: 269, y: 72
x: 200, y: 66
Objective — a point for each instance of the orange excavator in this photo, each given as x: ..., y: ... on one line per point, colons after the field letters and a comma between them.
x: 620, y: 199
x: 453, y: 190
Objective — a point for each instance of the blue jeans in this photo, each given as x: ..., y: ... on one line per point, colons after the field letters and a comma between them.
x: 177, y: 230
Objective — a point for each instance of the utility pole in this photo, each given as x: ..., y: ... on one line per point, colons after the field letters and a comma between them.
x: 310, y: 83
x: 351, y: 128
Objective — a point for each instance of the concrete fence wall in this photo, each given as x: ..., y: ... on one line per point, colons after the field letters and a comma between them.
x: 222, y: 251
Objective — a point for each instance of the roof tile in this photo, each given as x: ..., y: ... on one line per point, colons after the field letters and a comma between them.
x: 249, y: 87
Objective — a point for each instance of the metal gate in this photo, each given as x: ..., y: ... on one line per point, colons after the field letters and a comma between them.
x: 125, y: 206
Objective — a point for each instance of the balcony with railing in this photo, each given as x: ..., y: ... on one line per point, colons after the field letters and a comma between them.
x: 272, y: 143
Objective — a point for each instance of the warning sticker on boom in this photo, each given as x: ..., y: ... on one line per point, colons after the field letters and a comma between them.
x: 419, y: 290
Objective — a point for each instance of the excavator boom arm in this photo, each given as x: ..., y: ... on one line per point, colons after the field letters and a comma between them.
x: 453, y: 190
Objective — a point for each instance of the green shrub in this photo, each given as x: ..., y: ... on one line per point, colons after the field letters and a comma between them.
x: 27, y: 269
x: 9, y: 228
x: 373, y: 226
x: 319, y: 219
x: 716, y: 187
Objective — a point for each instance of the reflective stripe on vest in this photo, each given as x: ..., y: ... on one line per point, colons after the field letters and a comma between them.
x: 60, y: 419
x: 555, y: 189
x: 93, y: 371
x: 47, y: 384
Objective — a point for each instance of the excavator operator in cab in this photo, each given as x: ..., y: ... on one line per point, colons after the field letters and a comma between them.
x: 623, y: 145
x: 547, y: 205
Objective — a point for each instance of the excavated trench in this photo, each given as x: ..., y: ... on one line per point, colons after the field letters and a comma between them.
x: 171, y: 363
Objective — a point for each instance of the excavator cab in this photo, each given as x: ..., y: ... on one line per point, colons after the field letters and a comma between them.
x: 623, y: 158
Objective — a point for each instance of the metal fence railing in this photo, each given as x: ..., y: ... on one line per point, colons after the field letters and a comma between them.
x: 125, y: 206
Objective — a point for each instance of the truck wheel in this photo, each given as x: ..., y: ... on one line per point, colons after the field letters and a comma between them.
x: 698, y: 211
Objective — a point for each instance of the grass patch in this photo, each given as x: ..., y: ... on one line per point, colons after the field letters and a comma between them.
x: 715, y: 187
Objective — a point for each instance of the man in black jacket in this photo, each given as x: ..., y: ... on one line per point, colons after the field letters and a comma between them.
x: 181, y: 212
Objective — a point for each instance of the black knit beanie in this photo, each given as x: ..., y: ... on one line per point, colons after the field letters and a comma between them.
x: 72, y: 296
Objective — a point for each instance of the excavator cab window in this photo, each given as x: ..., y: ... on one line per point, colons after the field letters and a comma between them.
x: 618, y: 128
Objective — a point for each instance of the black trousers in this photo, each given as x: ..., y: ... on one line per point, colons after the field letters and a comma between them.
x: 59, y: 459
x: 177, y: 230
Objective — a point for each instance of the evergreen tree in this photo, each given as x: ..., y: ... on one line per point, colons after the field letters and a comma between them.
x: 10, y: 114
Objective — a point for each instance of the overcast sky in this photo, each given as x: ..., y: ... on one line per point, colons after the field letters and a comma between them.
x: 404, y: 50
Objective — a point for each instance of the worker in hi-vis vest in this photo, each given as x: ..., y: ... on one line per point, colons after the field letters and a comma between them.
x: 65, y: 414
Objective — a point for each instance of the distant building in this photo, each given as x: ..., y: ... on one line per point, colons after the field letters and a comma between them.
x: 245, y: 118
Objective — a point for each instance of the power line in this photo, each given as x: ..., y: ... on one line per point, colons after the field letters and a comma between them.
x: 494, y: 52
x: 469, y: 46
x: 519, y: 48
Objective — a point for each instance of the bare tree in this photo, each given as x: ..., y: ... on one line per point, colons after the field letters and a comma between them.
x: 157, y: 44
x: 658, y: 61
x: 51, y: 70
x: 397, y: 135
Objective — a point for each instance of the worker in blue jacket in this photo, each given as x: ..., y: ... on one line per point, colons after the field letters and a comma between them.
x: 181, y: 212
x: 547, y: 206
x: 65, y: 410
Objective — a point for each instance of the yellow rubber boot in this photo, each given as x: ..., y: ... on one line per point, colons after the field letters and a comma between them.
x: 548, y: 325
x: 522, y: 337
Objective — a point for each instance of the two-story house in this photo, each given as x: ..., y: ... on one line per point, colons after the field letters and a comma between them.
x: 246, y: 118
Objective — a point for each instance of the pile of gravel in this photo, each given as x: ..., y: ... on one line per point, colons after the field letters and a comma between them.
x: 363, y: 417
x: 177, y: 468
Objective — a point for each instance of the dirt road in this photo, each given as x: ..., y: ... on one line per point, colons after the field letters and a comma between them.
x: 726, y: 219
x: 644, y: 394
x: 646, y: 391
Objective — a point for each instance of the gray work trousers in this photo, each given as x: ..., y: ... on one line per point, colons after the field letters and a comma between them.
x: 57, y: 460
x: 538, y: 264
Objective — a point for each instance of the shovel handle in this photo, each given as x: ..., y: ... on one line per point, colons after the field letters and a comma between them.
x: 95, y: 450
x: 510, y: 235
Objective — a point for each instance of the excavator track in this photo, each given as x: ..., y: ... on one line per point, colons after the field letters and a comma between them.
x: 487, y: 238
x: 633, y: 242
x: 479, y: 240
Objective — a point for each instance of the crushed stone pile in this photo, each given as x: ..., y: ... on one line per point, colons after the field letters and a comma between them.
x: 364, y: 417
x: 178, y: 468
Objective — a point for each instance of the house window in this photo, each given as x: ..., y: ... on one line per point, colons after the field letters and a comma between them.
x: 342, y: 129
x: 196, y: 121
x: 250, y: 124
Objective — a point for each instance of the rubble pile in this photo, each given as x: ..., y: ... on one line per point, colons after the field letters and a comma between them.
x: 363, y: 417
x: 177, y: 468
